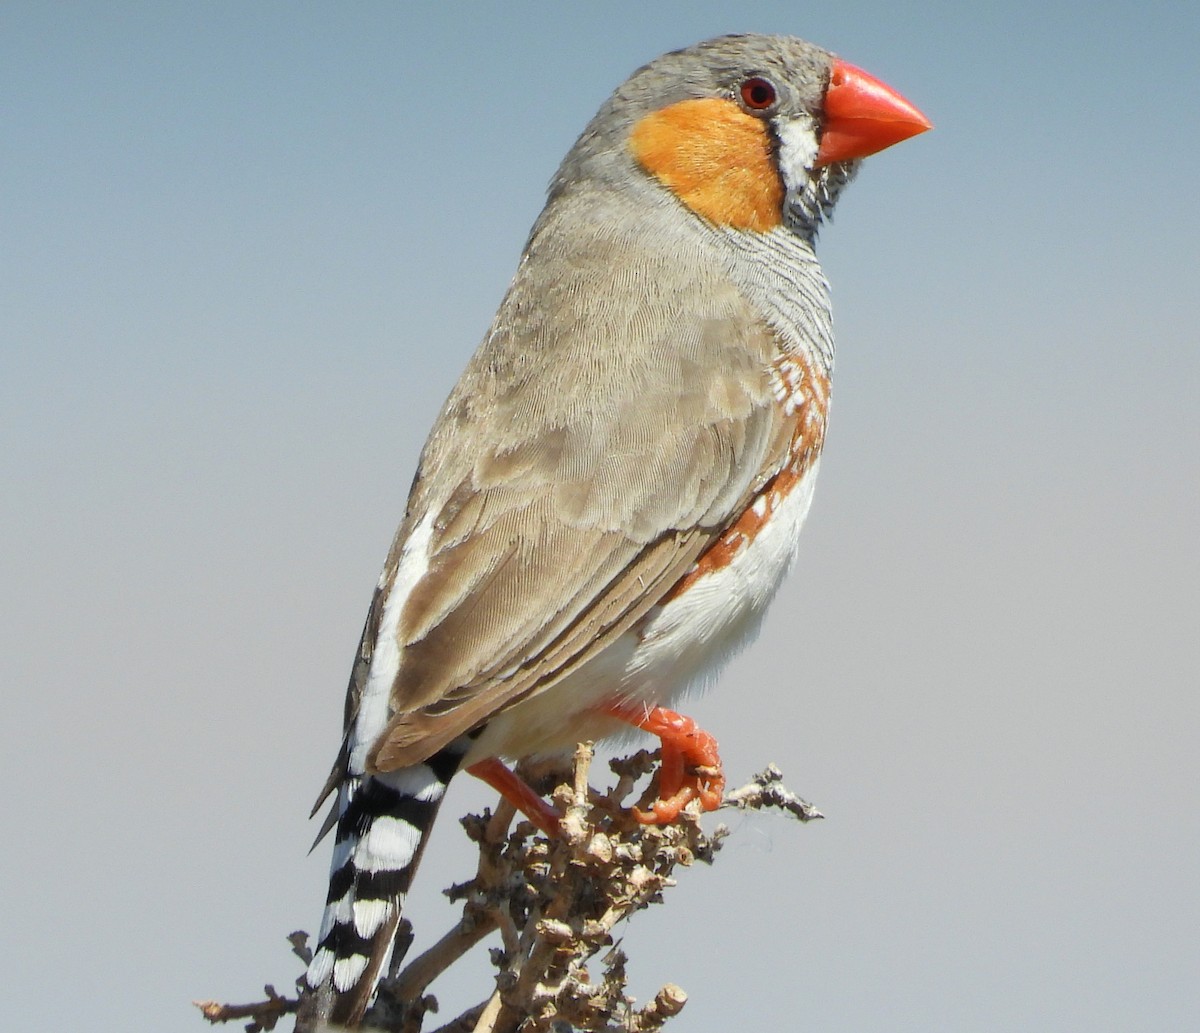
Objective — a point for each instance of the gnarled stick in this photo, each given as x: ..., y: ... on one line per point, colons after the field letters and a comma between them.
x: 555, y: 902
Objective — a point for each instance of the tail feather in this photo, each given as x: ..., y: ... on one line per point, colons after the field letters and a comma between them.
x: 383, y: 823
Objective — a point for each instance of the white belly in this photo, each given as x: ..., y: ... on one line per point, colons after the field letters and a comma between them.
x: 677, y: 647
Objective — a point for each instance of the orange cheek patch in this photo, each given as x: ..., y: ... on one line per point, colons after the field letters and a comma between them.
x: 715, y: 158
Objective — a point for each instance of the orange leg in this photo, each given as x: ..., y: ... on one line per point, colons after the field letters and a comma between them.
x: 515, y: 790
x: 690, y: 768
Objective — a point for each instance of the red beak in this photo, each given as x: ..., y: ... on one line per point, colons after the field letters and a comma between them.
x: 864, y: 115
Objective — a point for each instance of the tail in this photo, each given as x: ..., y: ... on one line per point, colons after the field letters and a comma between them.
x: 383, y: 823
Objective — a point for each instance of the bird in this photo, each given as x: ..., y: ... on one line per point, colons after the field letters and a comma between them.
x: 614, y: 489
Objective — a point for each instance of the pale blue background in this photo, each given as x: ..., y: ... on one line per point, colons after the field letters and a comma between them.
x: 245, y: 250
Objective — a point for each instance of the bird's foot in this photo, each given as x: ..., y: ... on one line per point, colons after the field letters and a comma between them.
x: 517, y: 792
x: 690, y: 768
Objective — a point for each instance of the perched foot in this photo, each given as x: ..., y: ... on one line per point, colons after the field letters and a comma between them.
x: 515, y: 790
x: 690, y: 768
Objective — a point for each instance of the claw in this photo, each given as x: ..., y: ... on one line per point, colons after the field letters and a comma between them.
x: 690, y: 768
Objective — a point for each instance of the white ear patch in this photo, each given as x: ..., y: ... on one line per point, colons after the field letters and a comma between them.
x: 798, y: 146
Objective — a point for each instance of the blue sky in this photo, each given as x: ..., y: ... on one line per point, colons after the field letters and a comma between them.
x: 246, y: 250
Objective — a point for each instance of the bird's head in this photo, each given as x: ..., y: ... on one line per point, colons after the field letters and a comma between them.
x: 747, y: 132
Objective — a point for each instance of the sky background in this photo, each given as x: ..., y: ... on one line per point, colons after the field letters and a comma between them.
x: 245, y: 250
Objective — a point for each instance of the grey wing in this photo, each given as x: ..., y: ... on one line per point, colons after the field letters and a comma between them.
x: 596, y: 444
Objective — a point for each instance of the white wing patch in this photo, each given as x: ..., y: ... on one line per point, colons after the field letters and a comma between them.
x: 374, y: 707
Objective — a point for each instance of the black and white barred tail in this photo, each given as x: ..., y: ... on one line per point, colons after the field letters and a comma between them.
x: 383, y: 824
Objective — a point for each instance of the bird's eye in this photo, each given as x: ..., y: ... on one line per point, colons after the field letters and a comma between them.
x: 758, y: 93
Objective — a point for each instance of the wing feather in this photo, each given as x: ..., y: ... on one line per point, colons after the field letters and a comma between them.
x: 602, y: 436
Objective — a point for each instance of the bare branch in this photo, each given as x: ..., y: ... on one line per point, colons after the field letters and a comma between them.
x: 555, y: 903
x: 767, y: 790
x: 263, y: 1014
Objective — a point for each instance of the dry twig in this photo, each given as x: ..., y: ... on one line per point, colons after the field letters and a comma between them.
x: 555, y: 903
x: 766, y: 789
x: 263, y: 1015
